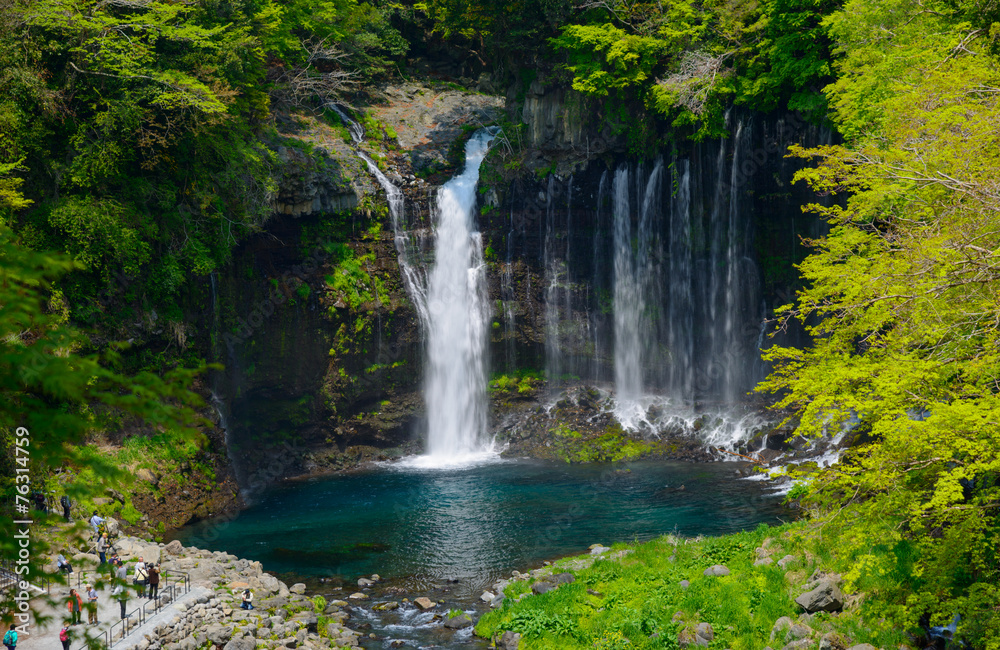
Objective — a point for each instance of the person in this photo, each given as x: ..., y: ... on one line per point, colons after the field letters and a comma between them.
x: 91, y: 605
x: 102, y: 548
x: 96, y: 521
x: 75, y: 606
x: 64, y: 637
x: 140, y: 577
x: 247, y: 599
x: 154, y: 581
x: 63, y: 565
x: 121, y: 573
x: 65, y: 503
x: 120, y: 593
x: 10, y: 638
x: 40, y: 503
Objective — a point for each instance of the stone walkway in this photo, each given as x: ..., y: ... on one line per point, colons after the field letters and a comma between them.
x: 108, y: 613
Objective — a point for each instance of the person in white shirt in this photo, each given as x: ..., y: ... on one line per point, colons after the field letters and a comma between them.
x: 141, y: 577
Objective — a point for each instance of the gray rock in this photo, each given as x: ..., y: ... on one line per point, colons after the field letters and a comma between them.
x: 716, y: 570
x: 458, y: 622
x: 684, y: 584
x: 827, y: 597
x: 365, y: 582
x: 498, y: 601
x: 542, y: 587
x: 290, y: 642
x: 863, y: 646
x: 687, y: 638
x: 510, y: 641
x: 598, y: 550
x: 487, y: 596
x: 297, y: 588
x: 780, y: 626
x: 219, y: 634
x: 797, y: 631
x: 833, y: 641
x: 785, y: 561
x: 800, y: 644
x: 704, y: 632
x: 764, y: 561
x: 563, y: 578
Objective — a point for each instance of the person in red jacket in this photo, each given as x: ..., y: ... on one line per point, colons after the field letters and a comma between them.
x: 75, y: 606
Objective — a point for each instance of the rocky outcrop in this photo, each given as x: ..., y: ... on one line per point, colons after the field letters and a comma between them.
x: 429, y: 120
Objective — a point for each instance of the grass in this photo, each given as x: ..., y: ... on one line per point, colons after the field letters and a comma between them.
x: 638, y: 601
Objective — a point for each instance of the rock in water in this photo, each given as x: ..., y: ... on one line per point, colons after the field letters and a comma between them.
x: 826, y: 597
x: 424, y: 602
x: 487, y: 597
x: 458, y: 622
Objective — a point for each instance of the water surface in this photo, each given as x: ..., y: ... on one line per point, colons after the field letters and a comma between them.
x: 476, y: 524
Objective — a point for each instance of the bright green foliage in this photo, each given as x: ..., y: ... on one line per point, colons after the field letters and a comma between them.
x: 604, y: 58
x: 902, y: 302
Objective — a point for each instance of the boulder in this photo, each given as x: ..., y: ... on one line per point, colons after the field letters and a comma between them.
x: 800, y: 644
x: 563, y: 578
x: 684, y: 584
x: 785, y: 561
x: 826, y: 597
x: 487, y: 596
x: 147, y: 475
x: 458, y: 622
x: 833, y: 641
x: 716, y: 570
x: 780, y: 626
x: 358, y: 596
x: 365, y: 582
x: 598, y: 550
x: 386, y: 607
x: 542, y: 587
x: 219, y: 634
x: 424, y: 602
x: 509, y: 641
x: 498, y: 601
x: 297, y: 588
x: 269, y: 583
x: 764, y: 561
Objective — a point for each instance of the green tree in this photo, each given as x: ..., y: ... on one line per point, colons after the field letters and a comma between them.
x: 901, y: 300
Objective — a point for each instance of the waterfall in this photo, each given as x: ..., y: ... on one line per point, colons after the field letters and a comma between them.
x: 458, y: 310
x: 413, y: 278
x: 553, y: 269
x: 680, y: 341
x: 356, y: 130
x: 628, y: 306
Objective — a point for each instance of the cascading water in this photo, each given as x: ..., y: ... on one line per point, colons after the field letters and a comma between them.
x: 452, y: 306
x: 458, y: 310
x: 685, y: 293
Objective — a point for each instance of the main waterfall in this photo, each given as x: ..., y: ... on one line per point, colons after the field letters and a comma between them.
x: 458, y: 316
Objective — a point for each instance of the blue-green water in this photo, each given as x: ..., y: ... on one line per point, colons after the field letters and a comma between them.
x: 479, y: 523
